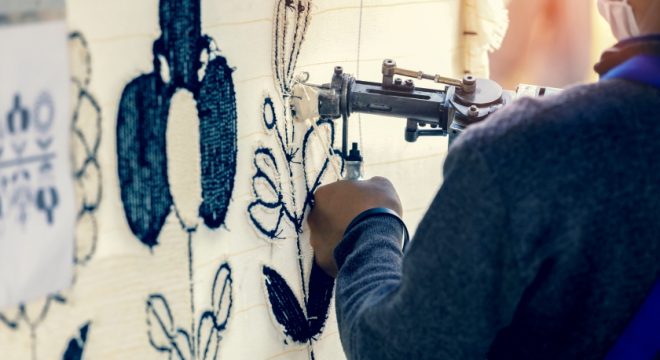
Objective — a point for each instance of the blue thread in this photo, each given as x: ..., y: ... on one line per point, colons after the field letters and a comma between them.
x: 76, y: 346
x: 301, y: 327
x: 87, y: 170
x: 142, y: 124
x: 165, y: 337
x: 217, y: 111
x: 300, y: 324
x: 268, y: 110
x: 142, y: 168
x: 141, y: 152
x: 264, y: 170
x: 22, y: 317
x: 285, y: 306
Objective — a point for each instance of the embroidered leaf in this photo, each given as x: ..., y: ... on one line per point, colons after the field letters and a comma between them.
x: 316, y: 168
x: 266, y: 181
x: 141, y: 152
x: 267, y: 210
x: 289, y: 26
x: 221, y: 296
x: 207, y: 336
x: 318, y: 301
x: 76, y: 346
x: 182, y: 345
x: 268, y: 114
x: 285, y: 306
x: 160, y: 324
x: 216, y: 106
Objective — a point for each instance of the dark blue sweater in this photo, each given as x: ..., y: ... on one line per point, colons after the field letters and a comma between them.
x: 542, y: 243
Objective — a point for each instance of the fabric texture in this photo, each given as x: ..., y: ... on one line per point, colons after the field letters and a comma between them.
x: 193, y: 181
x: 541, y: 243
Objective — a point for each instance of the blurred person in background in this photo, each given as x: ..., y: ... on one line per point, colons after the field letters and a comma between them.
x: 543, y: 35
x: 543, y: 241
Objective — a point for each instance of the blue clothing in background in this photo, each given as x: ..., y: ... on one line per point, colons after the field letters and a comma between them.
x: 641, y: 339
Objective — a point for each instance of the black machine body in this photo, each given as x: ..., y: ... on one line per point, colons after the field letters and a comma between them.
x: 429, y: 112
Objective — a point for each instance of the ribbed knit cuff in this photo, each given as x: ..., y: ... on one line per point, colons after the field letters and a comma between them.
x: 377, y: 227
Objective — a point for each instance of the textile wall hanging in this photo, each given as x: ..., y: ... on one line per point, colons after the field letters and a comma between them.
x: 193, y: 181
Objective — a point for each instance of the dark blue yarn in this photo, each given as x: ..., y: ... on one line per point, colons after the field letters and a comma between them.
x: 90, y: 168
x: 141, y: 153
x: 76, y: 346
x: 178, y: 342
x: 216, y: 104
x: 142, y: 125
x: 301, y: 325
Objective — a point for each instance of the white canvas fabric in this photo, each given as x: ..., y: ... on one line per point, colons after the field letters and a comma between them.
x: 204, y: 283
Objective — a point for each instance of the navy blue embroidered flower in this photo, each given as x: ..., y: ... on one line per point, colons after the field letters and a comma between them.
x: 143, y: 117
x: 280, y: 203
x: 201, y: 341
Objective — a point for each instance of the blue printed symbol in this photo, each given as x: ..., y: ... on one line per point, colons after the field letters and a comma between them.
x: 44, y: 112
x: 18, y: 117
x: 18, y: 121
x: 21, y: 197
x: 143, y: 119
x: 47, y: 201
x: 43, y: 117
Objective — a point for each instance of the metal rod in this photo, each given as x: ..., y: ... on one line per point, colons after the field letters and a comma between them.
x: 421, y: 75
x: 344, y: 137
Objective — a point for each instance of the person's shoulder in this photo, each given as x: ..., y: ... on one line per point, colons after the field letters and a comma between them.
x: 572, y: 111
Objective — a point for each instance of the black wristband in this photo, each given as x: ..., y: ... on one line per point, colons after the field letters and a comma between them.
x: 381, y: 211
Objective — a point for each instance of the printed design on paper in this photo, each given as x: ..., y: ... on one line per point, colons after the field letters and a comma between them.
x: 86, y: 138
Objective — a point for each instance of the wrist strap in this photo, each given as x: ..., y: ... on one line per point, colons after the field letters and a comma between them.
x: 381, y: 211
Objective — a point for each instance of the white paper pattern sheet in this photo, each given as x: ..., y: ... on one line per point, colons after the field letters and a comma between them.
x: 193, y: 181
x: 36, y: 193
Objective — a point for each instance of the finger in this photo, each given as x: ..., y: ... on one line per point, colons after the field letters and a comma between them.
x: 380, y: 180
x: 312, y: 219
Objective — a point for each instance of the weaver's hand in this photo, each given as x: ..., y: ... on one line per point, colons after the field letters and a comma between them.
x: 337, y: 205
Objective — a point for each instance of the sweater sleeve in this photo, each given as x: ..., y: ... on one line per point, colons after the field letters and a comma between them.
x: 454, y: 289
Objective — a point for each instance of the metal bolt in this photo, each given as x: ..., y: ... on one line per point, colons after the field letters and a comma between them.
x: 473, y: 111
x: 339, y: 70
x: 469, y: 80
x: 398, y: 81
x: 410, y: 83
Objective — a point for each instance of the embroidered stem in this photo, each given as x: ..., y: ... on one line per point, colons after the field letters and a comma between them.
x: 192, y: 294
